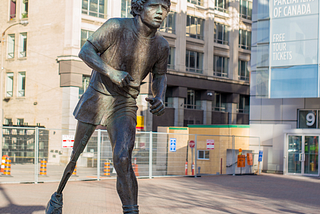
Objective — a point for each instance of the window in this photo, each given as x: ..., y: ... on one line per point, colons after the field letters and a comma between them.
x: 8, y: 121
x: 126, y: 8
x: 13, y: 9
x: 197, y: 2
x: 244, y: 104
x: 20, y: 121
x: 203, y: 155
x: 194, y: 61
x: 97, y: 8
x: 24, y: 9
x: 168, y: 25
x: 21, y: 84
x: 222, y: 5
x: 11, y: 45
x: 195, y: 27
x: 220, y: 66
x: 221, y: 33
x: 245, y: 39
x: 171, y: 58
x: 23, y: 45
x: 191, y: 100
x: 243, y: 70
x: 219, y: 103
x: 9, y: 85
x: 85, y: 34
x: 85, y: 84
x: 246, y: 9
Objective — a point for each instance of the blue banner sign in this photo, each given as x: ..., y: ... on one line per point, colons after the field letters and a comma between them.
x: 260, y: 156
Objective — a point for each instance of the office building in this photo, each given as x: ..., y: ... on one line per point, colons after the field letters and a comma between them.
x: 208, y: 66
x: 284, y: 88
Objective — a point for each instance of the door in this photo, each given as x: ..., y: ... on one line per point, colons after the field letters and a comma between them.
x: 311, y: 148
x: 295, y: 154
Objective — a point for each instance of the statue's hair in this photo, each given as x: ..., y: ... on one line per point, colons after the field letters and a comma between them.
x: 138, y: 5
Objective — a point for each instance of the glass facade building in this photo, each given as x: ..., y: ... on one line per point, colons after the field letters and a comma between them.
x: 284, y: 84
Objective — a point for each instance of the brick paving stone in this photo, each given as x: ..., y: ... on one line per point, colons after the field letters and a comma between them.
x: 267, y: 193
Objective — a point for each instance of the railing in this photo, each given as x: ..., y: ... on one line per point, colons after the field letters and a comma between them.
x: 154, y: 155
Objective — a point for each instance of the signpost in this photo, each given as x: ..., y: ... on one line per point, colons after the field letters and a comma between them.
x: 192, y: 145
x: 259, y: 160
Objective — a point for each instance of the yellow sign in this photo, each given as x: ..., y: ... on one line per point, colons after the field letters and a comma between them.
x: 140, y: 123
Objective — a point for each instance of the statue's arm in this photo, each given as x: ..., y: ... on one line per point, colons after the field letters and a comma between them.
x: 89, y: 54
x: 158, y: 88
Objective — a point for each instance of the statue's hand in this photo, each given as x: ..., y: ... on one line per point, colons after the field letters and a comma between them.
x: 120, y: 78
x: 157, y: 107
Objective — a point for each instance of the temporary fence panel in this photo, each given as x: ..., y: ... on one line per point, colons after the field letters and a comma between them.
x: 41, y: 155
x: 19, y: 144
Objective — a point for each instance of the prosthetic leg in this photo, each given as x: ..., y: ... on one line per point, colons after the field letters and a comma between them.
x: 54, y: 206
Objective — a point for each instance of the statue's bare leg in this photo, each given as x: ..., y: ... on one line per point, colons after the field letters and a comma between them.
x: 82, y: 136
x: 122, y: 135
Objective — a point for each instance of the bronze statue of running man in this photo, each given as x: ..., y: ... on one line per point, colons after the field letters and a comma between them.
x: 122, y: 52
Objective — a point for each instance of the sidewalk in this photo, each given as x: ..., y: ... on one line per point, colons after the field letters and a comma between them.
x: 208, y: 194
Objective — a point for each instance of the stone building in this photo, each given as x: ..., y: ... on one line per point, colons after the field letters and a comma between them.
x: 42, y: 77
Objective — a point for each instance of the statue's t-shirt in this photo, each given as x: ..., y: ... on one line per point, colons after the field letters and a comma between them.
x: 123, y: 48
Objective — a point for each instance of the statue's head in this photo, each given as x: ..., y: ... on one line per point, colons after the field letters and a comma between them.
x: 138, y: 5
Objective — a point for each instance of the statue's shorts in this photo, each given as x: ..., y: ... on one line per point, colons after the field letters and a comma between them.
x: 97, y: 108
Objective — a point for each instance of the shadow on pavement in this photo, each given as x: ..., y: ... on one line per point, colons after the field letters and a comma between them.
x: 224, y: 193
x: 14, y: 209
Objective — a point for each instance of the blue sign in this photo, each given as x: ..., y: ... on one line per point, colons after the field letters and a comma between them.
x: 173, y: 144
x: 260, y: 156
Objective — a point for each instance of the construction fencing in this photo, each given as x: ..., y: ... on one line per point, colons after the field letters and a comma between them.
x: 40, y: 155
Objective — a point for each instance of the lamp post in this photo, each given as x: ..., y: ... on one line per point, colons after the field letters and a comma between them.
x: 24, y: 23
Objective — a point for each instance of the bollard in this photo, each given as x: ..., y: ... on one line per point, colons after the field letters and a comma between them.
x: 74, y: 173
x: 106, y: 169
x: 186, y: 168
x: 43, y: 167
x: 3, y: 161
x: 7, y: 167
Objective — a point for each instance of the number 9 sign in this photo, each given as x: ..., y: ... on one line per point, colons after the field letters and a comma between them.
x: 310, y: 119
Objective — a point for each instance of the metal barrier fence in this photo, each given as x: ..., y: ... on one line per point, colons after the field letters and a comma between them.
x: 155, y: 154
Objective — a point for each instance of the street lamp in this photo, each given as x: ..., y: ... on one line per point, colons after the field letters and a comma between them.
x: 24, y: 23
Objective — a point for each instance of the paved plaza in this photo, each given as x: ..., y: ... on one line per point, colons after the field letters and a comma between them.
x: 267, y: 193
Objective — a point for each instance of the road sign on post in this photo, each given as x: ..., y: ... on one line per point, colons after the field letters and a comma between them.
x: 192, y: 144
x: 173, y: 144
x: 260, y: 156
x: 67, y: 141
x: 210, y: 144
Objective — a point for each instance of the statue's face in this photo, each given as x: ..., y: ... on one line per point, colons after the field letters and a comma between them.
x: 154, y: 12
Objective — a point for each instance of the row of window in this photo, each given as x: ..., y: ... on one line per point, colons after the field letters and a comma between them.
x: 21, y: 86
x: 221, y: 36
x: 195, y: 29
x: 9, y: 122
x: 219, y: 103
x: 220, y: 5
x: 14, y: 5
x: 22, y: 47
x: 194, y: 61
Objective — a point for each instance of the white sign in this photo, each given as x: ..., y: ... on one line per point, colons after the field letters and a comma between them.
x: 289, y: 8
x: 67, y: 141
x: 210, y: 144
x: 173, y: 144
